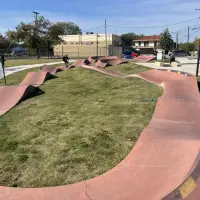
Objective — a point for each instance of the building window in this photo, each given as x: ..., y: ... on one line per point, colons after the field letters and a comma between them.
x: 139, y: 44
x: 72, y: 43
x: 146, y: 44
x: 76, y: 42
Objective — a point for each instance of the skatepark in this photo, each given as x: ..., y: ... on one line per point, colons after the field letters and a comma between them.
x: 164, y: 163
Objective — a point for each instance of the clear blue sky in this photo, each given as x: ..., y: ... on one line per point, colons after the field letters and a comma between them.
x: 91, y: 13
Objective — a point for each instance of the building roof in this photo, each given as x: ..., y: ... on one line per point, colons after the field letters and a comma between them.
x: 149, y: 38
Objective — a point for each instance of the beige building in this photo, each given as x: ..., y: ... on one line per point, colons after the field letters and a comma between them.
x: 85, y: 45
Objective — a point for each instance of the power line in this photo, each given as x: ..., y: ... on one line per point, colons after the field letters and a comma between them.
x: 155, y: 26
x: 181, y: 30
x: 93, y: 28
x: 186, y: 28
x: 197, y: 22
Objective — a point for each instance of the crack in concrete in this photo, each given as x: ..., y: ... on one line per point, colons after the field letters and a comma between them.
x: 86, y: 191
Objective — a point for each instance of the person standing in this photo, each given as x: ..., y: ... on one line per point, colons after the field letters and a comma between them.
x: 66, y: 60
x: 171, y: 57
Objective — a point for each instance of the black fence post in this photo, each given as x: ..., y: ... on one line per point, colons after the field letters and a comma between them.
x: 2, y: 63
x: 198, y: 59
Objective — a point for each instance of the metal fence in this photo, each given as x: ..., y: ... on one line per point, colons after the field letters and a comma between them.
x: 72, y: 52
x: 86, y: 51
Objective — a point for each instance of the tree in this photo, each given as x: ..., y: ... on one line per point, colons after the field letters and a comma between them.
x: 187, y: 47
x: 5, y: 43
x: 42, y: 33
x: 30, y: 34
x: 56, y: 30
x: 127, y: 39
x: 89, y: 33
x: 197, y: 43
x: 1, y: 42
x: 166, y: 41
x: 65, y: 28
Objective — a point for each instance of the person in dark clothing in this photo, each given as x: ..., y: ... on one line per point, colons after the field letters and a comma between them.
x: 3, y: 60
x: 66, y: 60
x: 171, y: 57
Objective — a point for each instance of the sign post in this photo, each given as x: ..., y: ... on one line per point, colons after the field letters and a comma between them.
x: 198, y: 60
x: 2, y: 61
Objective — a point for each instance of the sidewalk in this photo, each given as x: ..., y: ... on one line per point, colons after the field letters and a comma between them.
x: 188, y: 66
x: 11, y: 70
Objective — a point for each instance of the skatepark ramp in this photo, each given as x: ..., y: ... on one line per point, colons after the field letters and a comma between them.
x: 164, y: 164
x: 100, y: 62
x: 12, y: 95
x: 144, y: 58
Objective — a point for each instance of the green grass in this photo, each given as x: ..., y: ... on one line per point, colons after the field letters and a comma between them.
x: 15, y: 79
x: 18, y: 62
x: 84, y: 125
x: 129, y: 68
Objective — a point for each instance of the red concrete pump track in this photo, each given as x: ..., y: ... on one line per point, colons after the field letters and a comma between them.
x: 164, y: 164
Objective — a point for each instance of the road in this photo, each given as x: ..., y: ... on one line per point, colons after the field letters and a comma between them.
x: 11, y: 70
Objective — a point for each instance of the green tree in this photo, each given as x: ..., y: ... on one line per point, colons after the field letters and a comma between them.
x: 127, y: 39
x: 166, y: 41
x: 187, y: 47
x: 65, y: 28
x: 42, y: 34
x: 5, y: 44
x: 1, y: 42
x: 30, y: 34
x: 197, y: 43
x: 56, y: 30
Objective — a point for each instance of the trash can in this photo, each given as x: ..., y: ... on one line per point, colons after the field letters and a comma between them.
x: 128, y: 57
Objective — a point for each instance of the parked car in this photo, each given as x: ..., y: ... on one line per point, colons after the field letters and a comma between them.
x: 134, y: 54
x: 130, y: 53
x: 181, y: 53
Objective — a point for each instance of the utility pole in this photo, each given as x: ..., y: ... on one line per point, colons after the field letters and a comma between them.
x: 106, y: 37
x: 188, y: 40
x: 36, y: 17
x: 36, y: 25
x: 177, y: 41
x: 97, y: 46
x: 154, y: 44
x: 197, y: 71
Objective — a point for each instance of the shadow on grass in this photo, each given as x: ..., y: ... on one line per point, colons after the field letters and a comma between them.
x: 198, y: 84
x: 34, y: 92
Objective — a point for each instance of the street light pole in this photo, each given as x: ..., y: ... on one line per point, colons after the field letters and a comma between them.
x: 198, y: 59
x: 36, y: 25
x: 188, y: 38
x: 177, y: 34
x: 197, y: 71
x: 106, y: 38
x: 36, y: 16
